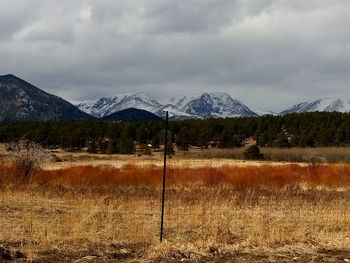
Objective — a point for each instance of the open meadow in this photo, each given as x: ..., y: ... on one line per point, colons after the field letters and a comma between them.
x: 100, y: 208
x: 197, y: 157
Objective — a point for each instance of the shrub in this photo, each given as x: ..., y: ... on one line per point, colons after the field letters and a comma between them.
x: 145, y: 149
x: 313, y: 159
x: 253, y: 153
x: 25, y: 158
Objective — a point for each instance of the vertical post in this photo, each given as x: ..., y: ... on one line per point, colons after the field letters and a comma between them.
x: 164, y: 175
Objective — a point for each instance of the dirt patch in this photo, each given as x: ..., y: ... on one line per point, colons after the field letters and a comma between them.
x: 94, y: 253
x: 120, y: 253
x: 277, y: 257
x: 141, y: 252
x: 10, y: 253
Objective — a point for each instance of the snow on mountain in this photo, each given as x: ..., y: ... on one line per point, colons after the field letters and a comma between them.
x: 340, y: 104
x: 216, y: 104
x: 174, y: 112
x: 139, y: 101
x: 205, y: 105
x: 108, y: 105
x: 262, y: 112
x: 326, y: 104
x: 180, y: 101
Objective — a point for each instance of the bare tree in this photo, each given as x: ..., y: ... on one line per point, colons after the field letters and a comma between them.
x: 25, y: 158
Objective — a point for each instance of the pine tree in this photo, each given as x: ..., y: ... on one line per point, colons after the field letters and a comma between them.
x: 253, y: 153
x: 182, y: 139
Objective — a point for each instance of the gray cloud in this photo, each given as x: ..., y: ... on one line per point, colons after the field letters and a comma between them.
x: 268, y: 53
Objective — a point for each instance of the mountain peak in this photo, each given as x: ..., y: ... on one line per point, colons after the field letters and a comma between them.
x: 217, y: 104
x: 20, y: 100
x: 10, y: 77
x: 7, y: 75
x: 325, y: 104
x: 203, y: 105
x: 108, y: 105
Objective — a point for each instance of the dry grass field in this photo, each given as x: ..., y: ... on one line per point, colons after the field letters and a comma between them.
x: 328, y: 154
x: 210, y: 157
x: 232, y: 212
x: 106, y: 208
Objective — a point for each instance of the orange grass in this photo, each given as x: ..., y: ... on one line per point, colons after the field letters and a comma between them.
x: 233, y: 212
x: 332, y: 175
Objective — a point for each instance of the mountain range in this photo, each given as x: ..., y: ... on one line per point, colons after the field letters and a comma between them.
x: 20, y: 100
x: 199, y: 106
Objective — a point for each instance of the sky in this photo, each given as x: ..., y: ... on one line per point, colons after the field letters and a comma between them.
x: 270, y: 54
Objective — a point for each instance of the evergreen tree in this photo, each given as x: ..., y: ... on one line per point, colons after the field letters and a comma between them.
x: 182, y: 139
x: 125, y: 144
x: 170, y: 148
x: 155, y: 141
x: 145, y: 150
x: 253, y: 153
x: 91, y: 146
x: 282, y: 140
x: 112, y: 146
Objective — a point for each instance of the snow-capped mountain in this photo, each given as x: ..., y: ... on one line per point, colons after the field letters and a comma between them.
x: 174, y: 112
x: 216, y: 104
x: 326, y: 104
x: 179, y: 102
x: 262, y: 112
x: 108, y: 105
x: 22, y: 101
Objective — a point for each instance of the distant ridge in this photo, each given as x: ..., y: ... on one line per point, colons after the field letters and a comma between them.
x: 326, y: 104
x: 200, y: 106
x: 22, y: 101
x: 132, y: 115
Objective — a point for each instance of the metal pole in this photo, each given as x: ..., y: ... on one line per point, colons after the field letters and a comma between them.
x: 164, y: 175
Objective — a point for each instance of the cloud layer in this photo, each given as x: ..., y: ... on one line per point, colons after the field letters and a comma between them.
x: 268, y: 53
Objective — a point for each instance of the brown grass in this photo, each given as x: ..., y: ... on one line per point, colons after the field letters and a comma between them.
x: 255, y: 213
x: 329, y: 154
x: 271, y: 176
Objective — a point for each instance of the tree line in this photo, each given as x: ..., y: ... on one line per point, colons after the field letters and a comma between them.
x: 317, y: 129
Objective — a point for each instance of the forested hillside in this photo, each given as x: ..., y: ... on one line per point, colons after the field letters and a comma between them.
x: 292, y: 130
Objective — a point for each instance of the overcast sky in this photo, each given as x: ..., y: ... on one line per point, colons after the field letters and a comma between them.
x: 267, y: 53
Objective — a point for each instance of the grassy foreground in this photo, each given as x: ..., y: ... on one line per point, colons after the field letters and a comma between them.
x: 268, y: 213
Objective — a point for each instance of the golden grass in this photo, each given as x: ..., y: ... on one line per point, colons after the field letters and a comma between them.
x: 329, y: 154
x: 278, y: 212
x: 211, y: 157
